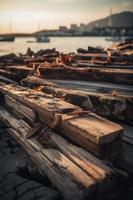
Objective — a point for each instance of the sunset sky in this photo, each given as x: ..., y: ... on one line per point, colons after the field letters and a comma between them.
x: 28, y: 15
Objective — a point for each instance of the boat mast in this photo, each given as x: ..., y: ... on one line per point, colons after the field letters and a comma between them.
x: 10, y: 27
x: 110, y: 17
x: 39, y: 25
x: 110, y: 21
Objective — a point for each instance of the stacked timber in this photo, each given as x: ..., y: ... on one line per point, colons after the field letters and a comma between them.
x: 10, y: 75
x: 99, y: 64
x: 106, y: 65
x: 120, y: 53
x: 119, y: 107
x: 42, y: 55
x: 123, y: 76
x: 16, y: 73
x: 31, y: 116
x: 93, y: 133
x: 10, y: 59
x: 125, y: 48
x: 91, y: 50
x: 103, y: 58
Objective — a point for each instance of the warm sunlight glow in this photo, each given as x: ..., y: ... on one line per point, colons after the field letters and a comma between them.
x: 29, y: 15
x: 32, y: 21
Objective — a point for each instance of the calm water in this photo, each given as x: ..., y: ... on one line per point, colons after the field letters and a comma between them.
x: 64, y: 44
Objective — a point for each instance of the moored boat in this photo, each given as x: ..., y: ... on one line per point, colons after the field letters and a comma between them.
x: 42, y: 39
x: 7, y: 39
x: 114, y: 39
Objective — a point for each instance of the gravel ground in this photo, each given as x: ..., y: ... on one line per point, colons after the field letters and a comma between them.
x: 19, y: 178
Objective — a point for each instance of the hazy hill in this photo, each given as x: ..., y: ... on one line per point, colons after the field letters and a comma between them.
x: 123, y: 19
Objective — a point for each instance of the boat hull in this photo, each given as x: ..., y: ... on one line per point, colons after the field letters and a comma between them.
x: 7, y: 39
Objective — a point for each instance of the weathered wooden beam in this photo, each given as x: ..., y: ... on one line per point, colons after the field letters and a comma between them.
x: 89, y: 74
x: 11, y: 75
x: 86, y: 129
x: 45, y: 105
x: 100, y: 64
x: 21, y: 71
x: 72, y: 170
x: 104, y: 57
x: 71, y: 180
x: 111, y: 106
x: 20, y: 108
x: 18, y: 124
x: 93, y: 133
x: 35, y: 82
x: 7, y: 80
x: 89, y: 163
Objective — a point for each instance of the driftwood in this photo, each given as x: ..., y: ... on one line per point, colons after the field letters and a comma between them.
x: 88, y: 130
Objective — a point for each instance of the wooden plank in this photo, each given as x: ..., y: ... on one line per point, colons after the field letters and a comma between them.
x: 89, y: 163
x: 71, y: 180
x: 75, y: 97
x: 19, y: 69
x: 86, y: 129
x: 17, y: 72
x: 18, y: 124
x: 88, y: 74
x: 11, y: 75
x: 7, y: 80
x: 114, y: 107
x: 97, y: 126
x: 20, y: 108
x: 45, y: 105
x: 104, y: 57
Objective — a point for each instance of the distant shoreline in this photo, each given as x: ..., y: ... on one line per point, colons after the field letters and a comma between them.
x: 34, y: 35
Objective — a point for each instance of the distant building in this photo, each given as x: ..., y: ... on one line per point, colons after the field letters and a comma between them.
x: 62, y: 28
x: 74, y: 27
x: 82, y: 28
x: 48, y: 33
